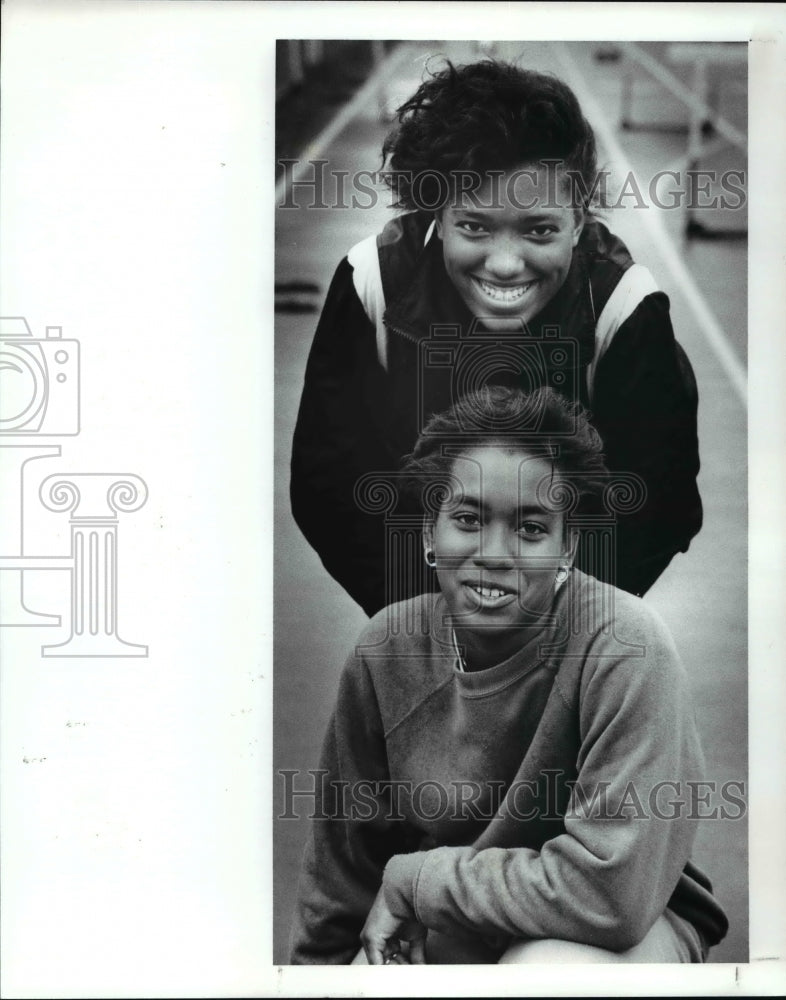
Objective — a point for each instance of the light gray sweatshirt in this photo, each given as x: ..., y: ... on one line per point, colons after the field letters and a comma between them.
x: 547, y: 796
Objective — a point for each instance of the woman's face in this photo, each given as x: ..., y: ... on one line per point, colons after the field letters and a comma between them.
x: 508, y: 247
x: 499, y: 547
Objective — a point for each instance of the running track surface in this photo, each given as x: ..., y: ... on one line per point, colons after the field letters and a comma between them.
x: 703, y: 594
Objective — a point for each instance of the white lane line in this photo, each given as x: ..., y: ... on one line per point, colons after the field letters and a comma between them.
x: 652, y: 221
x: 336, y: 125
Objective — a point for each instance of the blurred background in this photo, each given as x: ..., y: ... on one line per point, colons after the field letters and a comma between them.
x: 655, y: 107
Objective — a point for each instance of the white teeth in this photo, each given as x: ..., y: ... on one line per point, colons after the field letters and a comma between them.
x: 506, y: 295
x: 489, y: 591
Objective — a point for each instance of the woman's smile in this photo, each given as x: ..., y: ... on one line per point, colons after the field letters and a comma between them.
x: 490, y: 596
x: 506, y: 295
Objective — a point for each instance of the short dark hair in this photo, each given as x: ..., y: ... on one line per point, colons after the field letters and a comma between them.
x: 485, y: 116
x: 542, y: 422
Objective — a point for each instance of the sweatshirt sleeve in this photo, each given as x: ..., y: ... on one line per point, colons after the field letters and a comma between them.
x: 645, y: 409
x: 352, y: 835
x: 607, y: 877
x: 336, y: 443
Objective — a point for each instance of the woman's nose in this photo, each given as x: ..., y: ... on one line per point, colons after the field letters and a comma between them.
x: 505, y: 259
x: 495, y: 548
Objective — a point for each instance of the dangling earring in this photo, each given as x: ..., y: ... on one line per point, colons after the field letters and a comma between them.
x: 562, y: 575
x: 431, y: 559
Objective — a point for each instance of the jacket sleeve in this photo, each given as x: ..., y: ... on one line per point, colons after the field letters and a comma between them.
x: 335, y: 443
x: 644, y: 407
x: 607, y: 877
x: 352, y: 834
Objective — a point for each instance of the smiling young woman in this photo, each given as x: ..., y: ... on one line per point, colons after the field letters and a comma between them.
x: 495, y: 167
x: 490, y: 740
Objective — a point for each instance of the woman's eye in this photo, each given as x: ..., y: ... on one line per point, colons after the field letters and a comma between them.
x: 532, y: 529
x: 466, y: 519
x: 473, y: 228
x: 542, y: 232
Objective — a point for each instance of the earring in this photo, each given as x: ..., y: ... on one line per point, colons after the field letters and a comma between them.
x: 562, y: 575
x: 431, y: 559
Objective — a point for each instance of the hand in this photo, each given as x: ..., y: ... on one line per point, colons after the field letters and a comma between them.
x: 383, y: 933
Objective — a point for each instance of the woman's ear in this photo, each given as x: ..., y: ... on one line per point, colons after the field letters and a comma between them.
x: 428, y: 534
x: 571, y: 544
x: 578, y: 224
x: 438, y: 221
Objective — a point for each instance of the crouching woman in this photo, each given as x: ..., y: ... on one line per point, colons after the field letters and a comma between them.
x: 507, y: 773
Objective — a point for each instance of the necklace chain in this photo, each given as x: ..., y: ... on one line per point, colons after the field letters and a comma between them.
x: 459, y: 658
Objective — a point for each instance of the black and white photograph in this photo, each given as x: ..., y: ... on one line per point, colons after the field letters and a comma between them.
x: 391, y: 548
x: 519, y: 450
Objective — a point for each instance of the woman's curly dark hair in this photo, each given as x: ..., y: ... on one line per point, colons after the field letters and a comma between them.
x: 485, y: 116
x: 540, y: 423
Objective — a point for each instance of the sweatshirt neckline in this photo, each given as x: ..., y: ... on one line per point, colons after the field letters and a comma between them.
x: 477, y: 683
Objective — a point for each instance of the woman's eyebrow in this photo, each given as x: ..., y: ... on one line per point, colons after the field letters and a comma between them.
x: 539, y: 216
x: 525, y: 215
x: 524, y: 510
x: 468, y: 499
x: 533, y: 508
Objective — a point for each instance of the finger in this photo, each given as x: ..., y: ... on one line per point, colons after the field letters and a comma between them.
x: 417, y: 951
x: 374, y: 952
x: 392, y: 952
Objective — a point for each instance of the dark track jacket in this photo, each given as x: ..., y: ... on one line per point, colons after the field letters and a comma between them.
x: 364, y: 404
